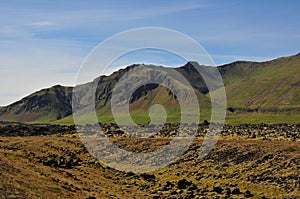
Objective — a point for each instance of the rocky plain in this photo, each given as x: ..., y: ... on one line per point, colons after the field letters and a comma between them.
x: 249, y: 161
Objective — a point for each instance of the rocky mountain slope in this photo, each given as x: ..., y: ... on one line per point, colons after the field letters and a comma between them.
x: 271, y: 88
x: 42, y: 106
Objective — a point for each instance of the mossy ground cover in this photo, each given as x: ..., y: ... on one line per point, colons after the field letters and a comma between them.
x: 60, y: 167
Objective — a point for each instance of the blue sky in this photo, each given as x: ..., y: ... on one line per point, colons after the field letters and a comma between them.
x: 43, y: 43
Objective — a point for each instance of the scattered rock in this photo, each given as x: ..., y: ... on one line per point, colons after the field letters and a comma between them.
x: 167, y: 186
x: 91, y: 197
x: 218, y: 190
x: 248, y: 194
x: 148, y: 177
x: 236, y: 191
x: 183, y: 184
x: 227, y: 191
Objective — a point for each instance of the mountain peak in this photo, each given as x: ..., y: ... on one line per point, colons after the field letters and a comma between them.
x: 190, y: 66
x: 52, y: 104
x: 192, y: 63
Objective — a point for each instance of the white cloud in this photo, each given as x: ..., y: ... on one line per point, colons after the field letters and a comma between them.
x: 42, y: 24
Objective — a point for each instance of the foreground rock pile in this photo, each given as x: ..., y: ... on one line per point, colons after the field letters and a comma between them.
x: 20, y: 129
x: 248, y: 131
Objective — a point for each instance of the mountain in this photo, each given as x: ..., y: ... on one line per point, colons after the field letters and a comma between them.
x: 268, y: 85
x: 256, y: 92
x: 42, y: 106
x: 141, y: 100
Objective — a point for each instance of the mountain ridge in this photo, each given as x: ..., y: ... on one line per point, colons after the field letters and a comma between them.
x: 268, y: 87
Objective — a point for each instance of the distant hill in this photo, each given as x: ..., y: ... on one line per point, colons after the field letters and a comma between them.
x: 256, y: 92
x: 42, y: 106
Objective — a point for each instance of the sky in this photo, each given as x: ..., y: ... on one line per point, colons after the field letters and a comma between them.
x: 44, y: 42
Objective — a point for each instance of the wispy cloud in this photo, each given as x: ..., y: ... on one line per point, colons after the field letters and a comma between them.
x: 42, y: 24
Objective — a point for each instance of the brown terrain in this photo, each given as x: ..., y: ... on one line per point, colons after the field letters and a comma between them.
x: 249, y: 161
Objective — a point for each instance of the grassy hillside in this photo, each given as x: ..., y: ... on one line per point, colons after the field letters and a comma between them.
x: 256, y: 92
x: 270, y: 86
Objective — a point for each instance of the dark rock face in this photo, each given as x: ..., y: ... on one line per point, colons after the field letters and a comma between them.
x: 142, y: 91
